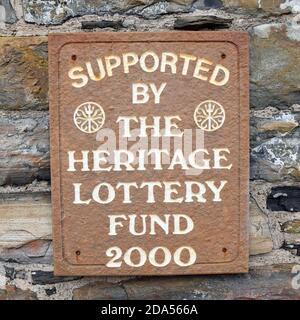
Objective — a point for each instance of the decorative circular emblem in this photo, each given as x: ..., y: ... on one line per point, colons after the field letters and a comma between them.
x: 89, y: 117
x: 209, y: 115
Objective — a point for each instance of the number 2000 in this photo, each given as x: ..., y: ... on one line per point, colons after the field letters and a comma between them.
x: 115, y: 253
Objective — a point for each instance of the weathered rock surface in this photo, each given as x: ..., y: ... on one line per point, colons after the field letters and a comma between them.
x: 276, y: 159
x: 260, y: 236
x: 292, y: 248
x: 24, y: 150
x: 7, y: 12
x: 292, y: 226
x: 275, y: 64
x: 51, y: 291
x: 280, y: 126
x: 100, y: 291
x: 201, y: 22
x: 270, y: 6
x: 13, y: 293
x: 20, y: 224
x: 285, y: 198
x: 35, y: 251
x: 49, y: 12
x: 41, y: 277
x: 275, y: 144
x: 291, y: 5
x: 272, y: 122
x: 268, y: 282
x: 23, y: 73
x: 262, y: 283
x: 207, y: 4
x: 102, y: 24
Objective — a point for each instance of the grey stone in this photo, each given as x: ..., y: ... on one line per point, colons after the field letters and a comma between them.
x: 7, y: 12
x: 292, y: 248
x: 37, y: 251
x: 291, y: 5
x: 270, y: 122
x: 206, y: 4
x: 262, y: 283
x: 50, y: 291
x: 201, y: 22
x: 275, y: 64
x: 24, y: 150
x: 292, y: 243
x: 100, y: 291
x: 42, y: 277
x: 160, y: 8
x: 284, y: 198
x: 51, y: 12
x: 276, y: 159
x: 32, y: 192
x: 12, y: 274
x: 260, y: 236
x: 102, y: 24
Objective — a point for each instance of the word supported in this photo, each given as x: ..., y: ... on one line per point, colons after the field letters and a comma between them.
x: 149, y: 61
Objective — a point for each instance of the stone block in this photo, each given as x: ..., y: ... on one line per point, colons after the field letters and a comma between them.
x: 23, y: 73
x: 260, y: 236
x: 275, y: 64
x: 24, y: 149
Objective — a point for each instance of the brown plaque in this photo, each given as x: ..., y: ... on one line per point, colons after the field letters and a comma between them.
x: 149, y: 152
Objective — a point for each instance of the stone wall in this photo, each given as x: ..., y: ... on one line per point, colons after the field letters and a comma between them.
x: 25, y: 211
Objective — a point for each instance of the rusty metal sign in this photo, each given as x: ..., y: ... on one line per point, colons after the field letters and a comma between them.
x: 149, y: 152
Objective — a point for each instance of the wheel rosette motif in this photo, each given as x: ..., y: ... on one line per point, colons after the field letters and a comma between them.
x: 209, y: 115
x: 89, y: 117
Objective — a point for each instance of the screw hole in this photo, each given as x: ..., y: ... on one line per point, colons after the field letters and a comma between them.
x: 73, y: 57
x: 77, y: 253
x: 224, y: 250
x: 223, y: 55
